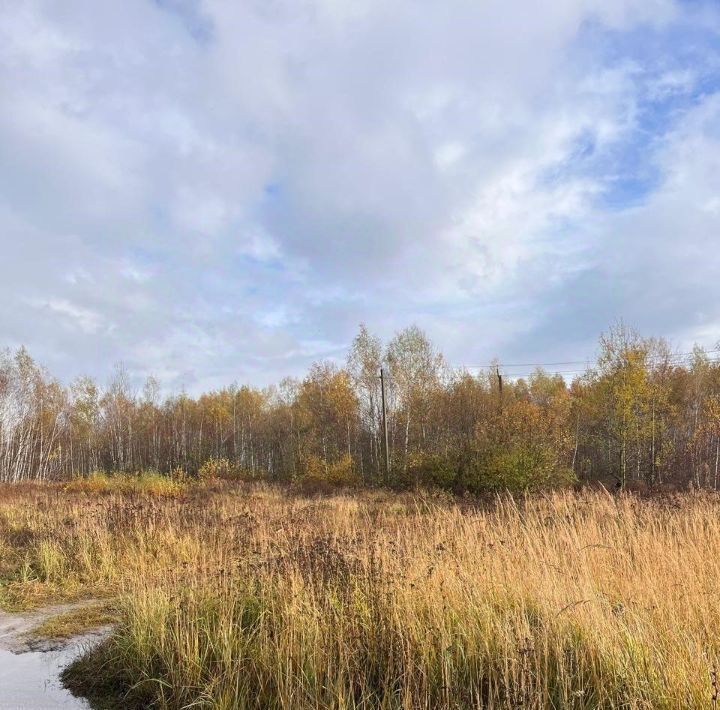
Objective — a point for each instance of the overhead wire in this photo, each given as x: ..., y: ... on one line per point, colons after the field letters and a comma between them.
x: 561, y: 367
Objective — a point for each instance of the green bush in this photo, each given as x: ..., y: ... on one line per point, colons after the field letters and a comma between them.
x: 431, y: 469
x: 516, y: 468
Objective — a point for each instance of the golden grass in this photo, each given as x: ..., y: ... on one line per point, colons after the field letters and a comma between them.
x: 246, y: 597
x: 144, y: 482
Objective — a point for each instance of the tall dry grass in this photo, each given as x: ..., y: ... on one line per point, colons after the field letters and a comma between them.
x: 247, y: 597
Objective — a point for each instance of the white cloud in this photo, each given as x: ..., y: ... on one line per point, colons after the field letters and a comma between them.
x: 77, y: 316
x: 219, y: 190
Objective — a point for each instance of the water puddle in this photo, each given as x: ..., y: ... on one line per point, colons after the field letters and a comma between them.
x: 30, y: 667
x: 30, y: 680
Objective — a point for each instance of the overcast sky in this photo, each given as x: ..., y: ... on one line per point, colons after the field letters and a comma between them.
x: 222, y: 190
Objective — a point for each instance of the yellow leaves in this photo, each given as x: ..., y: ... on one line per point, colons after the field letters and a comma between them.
x: 711, y: 411
x: 222, y: 468
x: 327, y: 408
x: 339, y: 472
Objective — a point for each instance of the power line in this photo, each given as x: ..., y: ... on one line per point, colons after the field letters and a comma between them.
x: 528, y: 364
x: 672, y: 359
x: 676, y: 361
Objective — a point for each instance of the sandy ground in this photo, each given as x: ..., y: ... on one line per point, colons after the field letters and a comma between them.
x: 30, y: 666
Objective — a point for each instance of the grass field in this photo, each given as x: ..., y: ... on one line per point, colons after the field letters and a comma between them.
x: 240, y: 596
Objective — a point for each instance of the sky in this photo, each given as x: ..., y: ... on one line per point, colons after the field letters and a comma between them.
x: 218, y: 191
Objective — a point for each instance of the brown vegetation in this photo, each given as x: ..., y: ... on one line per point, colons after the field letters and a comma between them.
x: 237, y: 595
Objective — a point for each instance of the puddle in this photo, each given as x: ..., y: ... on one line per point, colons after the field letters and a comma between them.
x: 31, y: 680
x: 30, y: 667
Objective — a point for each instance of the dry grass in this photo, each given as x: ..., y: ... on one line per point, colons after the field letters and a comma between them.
x: 144, y: 482
x: 77, y: 621
x: 246, y: 597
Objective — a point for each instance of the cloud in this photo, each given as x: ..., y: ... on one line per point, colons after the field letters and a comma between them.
x: 214, y: 191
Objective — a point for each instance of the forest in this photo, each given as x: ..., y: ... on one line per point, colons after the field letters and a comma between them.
x: 643, y: 415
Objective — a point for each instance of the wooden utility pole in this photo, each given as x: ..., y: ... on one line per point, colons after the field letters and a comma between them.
x: 384, y: 424
x: 499, y: 379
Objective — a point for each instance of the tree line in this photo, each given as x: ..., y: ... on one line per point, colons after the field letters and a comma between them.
x: 642, y: 415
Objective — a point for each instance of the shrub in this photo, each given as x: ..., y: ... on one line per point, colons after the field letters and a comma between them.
x: 515, y: 468
x: 317, y: 471
x: 430, y: 469
x: 527, y: 468
x: 179, y: 474
x: 215, y: 468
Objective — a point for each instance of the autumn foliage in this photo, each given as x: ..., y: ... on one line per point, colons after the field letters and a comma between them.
x: 641, y: 416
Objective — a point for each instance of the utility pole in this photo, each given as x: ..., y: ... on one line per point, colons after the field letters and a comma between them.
x: 499, y: 379
x: 384, y: 424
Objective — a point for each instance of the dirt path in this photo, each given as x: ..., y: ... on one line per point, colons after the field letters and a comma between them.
x: 30, y: 665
